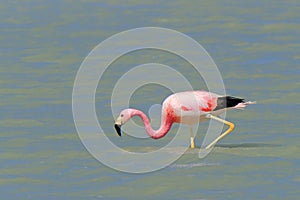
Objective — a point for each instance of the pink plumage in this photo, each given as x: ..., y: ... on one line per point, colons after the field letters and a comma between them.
x: 185, y: 107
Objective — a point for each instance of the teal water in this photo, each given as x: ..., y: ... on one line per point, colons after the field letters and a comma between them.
x: 256, y: 46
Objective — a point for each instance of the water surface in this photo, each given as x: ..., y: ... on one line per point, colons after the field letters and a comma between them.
x: 256, y: 46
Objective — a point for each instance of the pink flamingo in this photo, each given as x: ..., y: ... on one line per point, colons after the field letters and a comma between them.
x: 188, y: 108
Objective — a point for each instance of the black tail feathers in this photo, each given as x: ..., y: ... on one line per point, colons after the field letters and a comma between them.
x: 227, y: 102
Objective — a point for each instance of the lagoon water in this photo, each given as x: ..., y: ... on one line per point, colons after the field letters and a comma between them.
x: 256, y: 46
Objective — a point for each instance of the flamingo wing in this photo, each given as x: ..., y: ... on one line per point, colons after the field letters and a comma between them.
x: 193, y: 101
x: 207, y: 101
x: 187, y: 107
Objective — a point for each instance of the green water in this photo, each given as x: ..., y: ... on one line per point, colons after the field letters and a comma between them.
x: 256, y: 46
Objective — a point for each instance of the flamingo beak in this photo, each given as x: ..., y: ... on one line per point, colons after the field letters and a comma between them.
x: 118, y: 129
x: 118, y: 125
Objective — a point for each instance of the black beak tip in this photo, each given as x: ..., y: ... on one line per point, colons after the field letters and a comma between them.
x: 118, y: 129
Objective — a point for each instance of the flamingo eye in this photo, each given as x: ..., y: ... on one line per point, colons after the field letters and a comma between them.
x: 122, y: 115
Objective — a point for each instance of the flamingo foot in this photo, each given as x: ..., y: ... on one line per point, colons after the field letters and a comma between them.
x: 230, y: 129
x: 192, y: 143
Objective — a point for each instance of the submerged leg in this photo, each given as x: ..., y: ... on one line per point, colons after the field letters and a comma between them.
x: 231, y: 127
x: 192, y: 138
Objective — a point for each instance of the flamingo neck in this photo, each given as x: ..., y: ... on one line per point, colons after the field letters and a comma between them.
x: 165, y: 125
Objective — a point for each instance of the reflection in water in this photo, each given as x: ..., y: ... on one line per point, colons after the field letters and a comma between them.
x: 247, y: 145
x: 191, y: 165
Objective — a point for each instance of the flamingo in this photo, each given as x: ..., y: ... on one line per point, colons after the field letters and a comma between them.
x: 188, y: 107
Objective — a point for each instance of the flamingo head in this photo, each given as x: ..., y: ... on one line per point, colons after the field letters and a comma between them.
x: 124, y: 116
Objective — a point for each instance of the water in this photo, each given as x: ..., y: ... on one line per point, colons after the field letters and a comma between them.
x: 255, y: 45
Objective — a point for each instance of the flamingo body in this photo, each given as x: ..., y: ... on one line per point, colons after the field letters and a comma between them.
x: 190, y: 107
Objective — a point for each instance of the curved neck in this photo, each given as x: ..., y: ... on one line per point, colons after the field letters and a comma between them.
x: 155, y: 134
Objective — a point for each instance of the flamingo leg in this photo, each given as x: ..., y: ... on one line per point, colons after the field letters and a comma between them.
x: 231, y: 127
x: 192, y: 138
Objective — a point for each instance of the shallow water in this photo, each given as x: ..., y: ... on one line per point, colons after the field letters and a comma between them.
x: 256, y: 46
